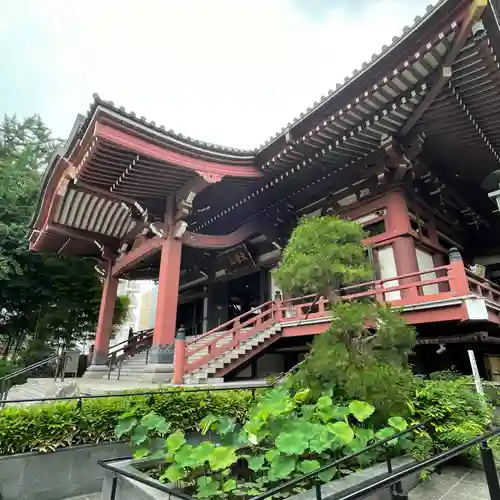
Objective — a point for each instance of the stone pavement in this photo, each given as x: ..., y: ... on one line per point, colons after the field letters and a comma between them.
x: 95, y: 496
x: 44, y: 387
x: 455, y: 483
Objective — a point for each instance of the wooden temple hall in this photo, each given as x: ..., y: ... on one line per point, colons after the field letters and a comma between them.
x: 408, y: 146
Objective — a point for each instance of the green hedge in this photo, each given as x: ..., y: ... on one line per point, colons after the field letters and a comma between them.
x: 50, y: 426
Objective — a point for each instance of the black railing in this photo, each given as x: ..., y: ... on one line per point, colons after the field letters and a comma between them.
x: 7, y: 380
x: 311, y: 476
x: 140, y: 335
x: 370, y: 487
x: 133, y: 345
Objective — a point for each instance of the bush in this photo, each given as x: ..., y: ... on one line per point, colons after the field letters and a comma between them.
x: 456, y: 413
x: 50, y: 426
x: 359, y: 362
x: 7, y: 367
x: 285, y: 436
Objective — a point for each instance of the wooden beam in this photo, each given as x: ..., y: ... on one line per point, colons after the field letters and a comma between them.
x: 80, y: 234
x: 185, y: 196
x: 443, y: 72
x: 132, y: 258
x: 102, y: 193
x: 146, y: 148
x: 210, y: 241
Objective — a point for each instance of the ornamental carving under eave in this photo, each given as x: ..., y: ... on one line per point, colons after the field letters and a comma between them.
x: 211, y: 178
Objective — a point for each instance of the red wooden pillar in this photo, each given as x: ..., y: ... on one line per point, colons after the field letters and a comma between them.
x: 166, y: 302
x: 439, y: 260
x: 405, y: 256
x: 180, y: 357
x: 105, y: 321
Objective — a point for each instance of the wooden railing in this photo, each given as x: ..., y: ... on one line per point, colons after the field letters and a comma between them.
x: 231, y: 334
x: 483, y: 287
x: 447, y: 282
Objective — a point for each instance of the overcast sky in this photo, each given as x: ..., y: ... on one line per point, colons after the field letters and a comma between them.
x: 231, y: 72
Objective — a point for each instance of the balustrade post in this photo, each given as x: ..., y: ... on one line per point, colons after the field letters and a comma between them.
x: 236, y: 333
x: 179, y: 356
x: 379, y: 293
x: 405, y: 258
x: 278, y: 311
x: 459, y: 283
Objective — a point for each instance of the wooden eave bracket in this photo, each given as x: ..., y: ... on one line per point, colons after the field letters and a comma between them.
x: 399, y: 164
x: 185, y: 196
x: 444, y: 73
x: 216, y: 242
x: 145, y: 249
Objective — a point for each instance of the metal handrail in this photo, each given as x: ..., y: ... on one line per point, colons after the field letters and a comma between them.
x: 373, y: 486
x: 106, y: 464
x: 149, y: 331
x: 5, y: 381
x: 338, y: 462
x: 22, y: 371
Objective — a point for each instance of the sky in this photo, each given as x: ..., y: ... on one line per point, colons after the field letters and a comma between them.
x: 230, y: 72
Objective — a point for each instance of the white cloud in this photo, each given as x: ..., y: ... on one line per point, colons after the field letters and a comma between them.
x: 225, y: 71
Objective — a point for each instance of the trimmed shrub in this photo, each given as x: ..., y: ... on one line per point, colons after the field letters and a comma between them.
x: 47, y: 427
x: 456, y: 412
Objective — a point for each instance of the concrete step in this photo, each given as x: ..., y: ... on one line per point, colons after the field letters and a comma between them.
x: 204, y: 372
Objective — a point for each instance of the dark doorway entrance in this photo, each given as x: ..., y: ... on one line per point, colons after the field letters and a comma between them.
x: 243, y: 294
x: 190, y: 316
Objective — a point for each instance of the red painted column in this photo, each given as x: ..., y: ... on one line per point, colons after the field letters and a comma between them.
x: 166, y: 302
x: 398, y: 222
x: 105, y: 321
x: 396, y: 218
x: 179, y: 357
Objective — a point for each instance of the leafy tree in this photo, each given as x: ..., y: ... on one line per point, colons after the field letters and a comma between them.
x: 364, y: 353
x: 45, y: 300
x: 323, y: 255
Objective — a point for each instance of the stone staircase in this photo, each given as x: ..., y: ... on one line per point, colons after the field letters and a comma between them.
x: 133, y: 367
x: 205, y: 373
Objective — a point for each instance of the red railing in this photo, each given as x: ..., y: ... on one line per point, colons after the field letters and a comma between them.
x: 413, y: 291
x: 446, y: 282
x: 229, y: 335
x: 483, y: 287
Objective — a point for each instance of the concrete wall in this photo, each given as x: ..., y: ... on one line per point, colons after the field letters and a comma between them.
x: 128, y: 489
x: 270, y: 364
x: 55, y: 476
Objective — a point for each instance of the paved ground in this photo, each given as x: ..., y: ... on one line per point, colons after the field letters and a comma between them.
x: 39, y: 388
x: 96, y: 496
x: 455, y: 483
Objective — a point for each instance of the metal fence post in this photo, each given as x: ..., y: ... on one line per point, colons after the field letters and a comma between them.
x: 113, y: 487
x: 397, y: 492
x: 490, y: 471
x: 318, y: 490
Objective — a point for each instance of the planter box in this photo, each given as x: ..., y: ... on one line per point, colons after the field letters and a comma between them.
x: 62, y: 474
x: 129, y: 489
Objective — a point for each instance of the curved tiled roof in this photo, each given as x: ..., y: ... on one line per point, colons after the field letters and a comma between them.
x: 131, y: 115
x: 341, y: 129
x: 357, y: 73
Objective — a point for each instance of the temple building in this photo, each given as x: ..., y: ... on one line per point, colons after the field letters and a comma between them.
x: 407, y: 146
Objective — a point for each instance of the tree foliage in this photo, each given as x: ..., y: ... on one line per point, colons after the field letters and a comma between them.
x: 44, y: 299
x: 322, y: 255
x: 364, y: 353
